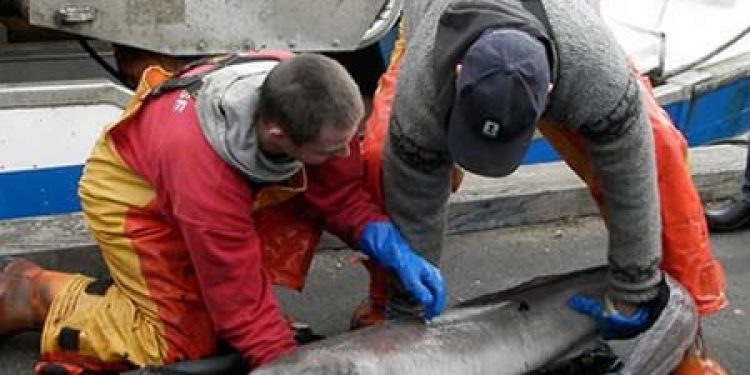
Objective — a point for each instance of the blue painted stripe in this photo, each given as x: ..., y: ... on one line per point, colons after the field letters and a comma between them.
x: 386, y: 45
x: 44, y: 191
x: 540, y: 151
x: 720, y: 113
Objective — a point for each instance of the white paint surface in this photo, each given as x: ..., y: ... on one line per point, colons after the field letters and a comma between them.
x: 51, y: 136
x: 692, y: 27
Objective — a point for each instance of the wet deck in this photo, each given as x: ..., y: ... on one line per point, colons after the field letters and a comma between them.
x: 476, y: 263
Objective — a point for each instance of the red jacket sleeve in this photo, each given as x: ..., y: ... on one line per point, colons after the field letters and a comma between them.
x: 212, y: 206
x: 336, y: 191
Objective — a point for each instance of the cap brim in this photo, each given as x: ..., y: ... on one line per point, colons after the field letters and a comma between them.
x: 485, y: 156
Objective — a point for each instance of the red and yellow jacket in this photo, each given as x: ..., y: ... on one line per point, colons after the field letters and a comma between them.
x: 189, y: 217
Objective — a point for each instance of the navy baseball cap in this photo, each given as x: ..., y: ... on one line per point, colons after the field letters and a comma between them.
x: 501, y: 92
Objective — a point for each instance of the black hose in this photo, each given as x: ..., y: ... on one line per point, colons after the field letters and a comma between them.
x: 103, y: 63
x: 10, y: 8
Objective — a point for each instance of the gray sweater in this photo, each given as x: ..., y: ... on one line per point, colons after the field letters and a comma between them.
x: 595, y: 94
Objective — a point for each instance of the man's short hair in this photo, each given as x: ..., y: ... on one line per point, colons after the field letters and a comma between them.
x: 308, y: 91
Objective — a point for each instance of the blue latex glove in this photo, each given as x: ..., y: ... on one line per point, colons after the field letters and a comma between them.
x: 382, y: 242
x: 611, y: 324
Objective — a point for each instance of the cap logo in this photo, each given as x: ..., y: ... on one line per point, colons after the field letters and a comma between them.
x: 491, y: 129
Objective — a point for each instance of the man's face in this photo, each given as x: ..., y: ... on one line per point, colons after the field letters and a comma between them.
x: 333, y: 142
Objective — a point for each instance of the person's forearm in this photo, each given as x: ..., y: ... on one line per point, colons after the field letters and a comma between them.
x: 237, y: 294
x: 336, y: 191
x: 625, y: 164
x: 416, y: 202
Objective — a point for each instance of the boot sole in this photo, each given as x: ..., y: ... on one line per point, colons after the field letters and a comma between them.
x: 741, y: 224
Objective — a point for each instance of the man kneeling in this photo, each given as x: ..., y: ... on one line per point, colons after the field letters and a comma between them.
x: 170, y: 193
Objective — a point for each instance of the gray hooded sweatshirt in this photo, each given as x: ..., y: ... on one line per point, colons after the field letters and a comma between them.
x: 595, y: 94
x: 227, y: 106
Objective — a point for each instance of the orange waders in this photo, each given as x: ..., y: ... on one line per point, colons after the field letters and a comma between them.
x: 110, y: 327
x: 686, y: 249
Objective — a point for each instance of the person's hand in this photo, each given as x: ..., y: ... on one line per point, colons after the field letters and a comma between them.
x: 611, y: 323
x: 382, y: 242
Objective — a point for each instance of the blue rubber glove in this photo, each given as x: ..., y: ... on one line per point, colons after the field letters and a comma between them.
x: 611, y: 324
x: 382, y: 242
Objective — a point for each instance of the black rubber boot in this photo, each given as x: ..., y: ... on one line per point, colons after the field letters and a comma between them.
x: 731, y: 217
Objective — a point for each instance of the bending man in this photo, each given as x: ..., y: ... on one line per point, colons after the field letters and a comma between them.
x: 479, y: 77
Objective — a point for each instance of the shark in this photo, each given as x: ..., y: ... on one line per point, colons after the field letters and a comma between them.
x: 527, y: 329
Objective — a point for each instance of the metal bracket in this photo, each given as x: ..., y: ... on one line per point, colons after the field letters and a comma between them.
x: 75, y: 14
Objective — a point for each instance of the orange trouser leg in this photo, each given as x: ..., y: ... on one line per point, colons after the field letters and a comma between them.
x: 686, y: 249
x: 289, y: 241
x: 698, y: 361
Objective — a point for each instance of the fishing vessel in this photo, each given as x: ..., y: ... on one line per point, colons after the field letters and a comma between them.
x: 697, y: 53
